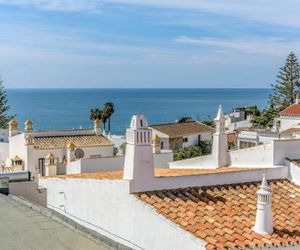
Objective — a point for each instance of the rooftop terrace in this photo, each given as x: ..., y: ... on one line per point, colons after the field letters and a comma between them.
x: 159, y: 172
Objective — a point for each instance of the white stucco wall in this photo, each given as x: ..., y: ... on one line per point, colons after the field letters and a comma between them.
x: 107, y: 207
x: 17, y: 147
x: 288, y: 122
x: 193, y: 139
x: 258, y: 156
x: 4, y: 148
x: 294, y: 173
x: 206, y: 162
x: 159, y: 183
x: 166, y: 144
x: 90, y: 165
x: 285, y: 148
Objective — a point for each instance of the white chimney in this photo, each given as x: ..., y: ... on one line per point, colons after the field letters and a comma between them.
x: 13, y: 127
x: 138, y: 163
x: 264, y: 222
x: 220, y: 144
x: 97, y: 127
x: 28, y: 125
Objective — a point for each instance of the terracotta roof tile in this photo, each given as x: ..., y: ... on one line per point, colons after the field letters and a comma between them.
x: 174, y: 130
x: 293, y: 110
x: 225, y: 214
x: 52, y: 142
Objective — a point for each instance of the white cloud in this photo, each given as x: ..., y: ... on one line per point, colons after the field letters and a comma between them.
x: 268, y: 46
x: 268, y: 11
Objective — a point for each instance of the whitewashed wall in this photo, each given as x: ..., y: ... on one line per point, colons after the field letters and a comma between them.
x: 258, y: 156
x: 17, y: 147
x: 4, y: 147
x: 107, y: 207
x: 193, y: 139
x: 166, y: 144
x: 294, y: 173
x: 205, y: 162
x: 285, y: 148
x: 91, y: 165
x: 288, y: 122
x: 159, y: 183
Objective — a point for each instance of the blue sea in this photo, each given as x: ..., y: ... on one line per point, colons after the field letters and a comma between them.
x: 69, y: 108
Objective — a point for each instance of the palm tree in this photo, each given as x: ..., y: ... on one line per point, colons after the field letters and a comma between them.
x: 184, y: 119
x: 96, y: 114
x: 108, y: 110
x: 104, y: 117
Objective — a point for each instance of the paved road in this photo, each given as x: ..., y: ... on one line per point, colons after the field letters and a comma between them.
x: 21, y: 228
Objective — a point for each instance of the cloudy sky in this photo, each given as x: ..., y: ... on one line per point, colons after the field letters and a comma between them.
x: 145, y: 43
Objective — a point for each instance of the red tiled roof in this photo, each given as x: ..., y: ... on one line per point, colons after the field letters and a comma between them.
x: 53, y: 142
x: 293, y: 109
x: 223, y: 215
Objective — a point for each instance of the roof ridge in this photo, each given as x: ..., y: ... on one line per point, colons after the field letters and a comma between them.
x: 221, y: 185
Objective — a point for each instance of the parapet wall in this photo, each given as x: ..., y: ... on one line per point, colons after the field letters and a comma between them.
x: 209, y: 179
x: 285, y: 148
x: 112, y: 163
x: 205, y: 162
x: 258, y: 156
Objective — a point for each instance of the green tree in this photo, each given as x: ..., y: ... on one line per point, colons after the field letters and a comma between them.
x: 287, y: 84
x: 265, y: 118
x: 284, y: 92
x: 96, y: 114
x: 193, y: 151
x: 184, y: 119
x: 5, y: 117
x: 253, y: 110
x: 122, y: 148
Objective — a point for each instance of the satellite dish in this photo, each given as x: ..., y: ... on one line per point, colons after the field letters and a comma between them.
x: 79, y: 153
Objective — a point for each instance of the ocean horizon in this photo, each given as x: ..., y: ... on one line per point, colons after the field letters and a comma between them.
x: 69, y: 108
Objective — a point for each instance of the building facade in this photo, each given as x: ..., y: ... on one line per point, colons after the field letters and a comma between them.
x: 248, y: 199
x: 49, y: 152
x: 175, y: 136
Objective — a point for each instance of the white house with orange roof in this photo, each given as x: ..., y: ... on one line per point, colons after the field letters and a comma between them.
x: 227, y: 206
x: 289, y: 117
x: 54, y: 152
x: 49, y: 152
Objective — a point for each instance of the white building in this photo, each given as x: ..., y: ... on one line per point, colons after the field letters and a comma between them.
x: 44, y: 152
x: 189, y: 208
x: 175, y: 136
x: 237, y: 119
x: 253, y: 137
x: 289, y: 117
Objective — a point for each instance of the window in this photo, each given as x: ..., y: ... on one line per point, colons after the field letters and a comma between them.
x: 141, y: 123
x: 161, y: 144
x: 185, y: 139
x: 42, y: 166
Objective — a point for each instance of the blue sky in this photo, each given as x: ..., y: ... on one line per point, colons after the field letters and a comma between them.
x: 145, y: 43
